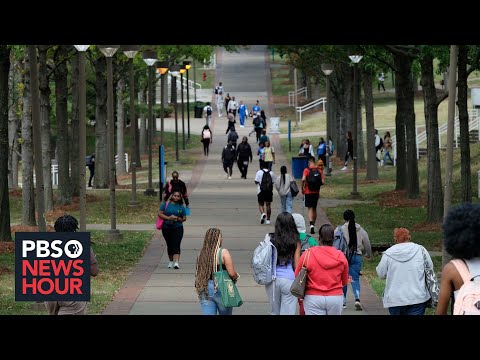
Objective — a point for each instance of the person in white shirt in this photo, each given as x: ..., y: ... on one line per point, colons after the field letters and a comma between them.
x: 207, y: 110
x: 232, y: 107
x: 220, y: 102
x: 378, y: 144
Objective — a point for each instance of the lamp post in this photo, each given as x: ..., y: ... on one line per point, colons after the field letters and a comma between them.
x: 130, y: 51
x: 82, y: 133
x: 175, y: 70
x: 194, y: 80
x: 162, y: 68
x: 109, y: 51
x: 150, y: 58
x: 327, y: 70
x: 355, y: 59
x: 182, y: 70
x: 188, y: 65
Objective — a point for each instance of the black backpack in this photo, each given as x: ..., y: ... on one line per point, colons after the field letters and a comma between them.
x: 88, y: 160
x: 266, y: 184
x: 381, y: 143
x: 209, y: 110
x: 314, y: 179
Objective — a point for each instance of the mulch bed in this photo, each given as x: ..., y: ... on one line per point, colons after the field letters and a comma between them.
x: 399, y: 199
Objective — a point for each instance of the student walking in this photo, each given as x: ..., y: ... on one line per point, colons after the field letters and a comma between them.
x: 268, y: 155
x: 282, y: 184
x: 229, y: 155
x: 242, y: 113
x: 311, y: 182
x: 287, y: 242
x: 210, y: 297
x: 264, y: 180
x: 174, y: 215
x: 349, y: 154
x: 176, y: 185
x: 207, y: 110
x: 206, y: 139
x: 387, y: 148
x: 91, y: 168
x: 244, y: 154
x: 358, y: 244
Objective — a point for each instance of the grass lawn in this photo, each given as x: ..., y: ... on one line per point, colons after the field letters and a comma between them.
x: 115, y: 259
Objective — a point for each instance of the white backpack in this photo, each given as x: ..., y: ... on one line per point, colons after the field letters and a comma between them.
x: 264, y: 262
x: 467, y: 300
x: 206, y: 134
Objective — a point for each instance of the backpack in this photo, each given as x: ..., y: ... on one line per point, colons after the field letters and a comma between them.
x: 305, y: 244
x: 209, y: 110
x: 381, y: 142
x: 340, y: 243
x: 207, y: 134
x: 216, y: 90
x: 266, y: 184
x: 88, y: 160
x: 314, y: 179
x: 264, y: 261
x: 467, y: 301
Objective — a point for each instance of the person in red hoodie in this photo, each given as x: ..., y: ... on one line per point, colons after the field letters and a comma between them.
x: 327, y: 273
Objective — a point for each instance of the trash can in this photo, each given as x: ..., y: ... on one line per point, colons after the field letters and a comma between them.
x: 198, y: 110
x: 299, y: 163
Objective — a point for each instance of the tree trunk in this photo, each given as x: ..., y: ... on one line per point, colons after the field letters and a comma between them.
x: 316, y: 90
x: 372, y: 166
x: 291, y: 73
x: 462, y: 88
x: 44, y: 87
x: 13, y: 127
x: 63, y: 150
x: 5, y: 231
x: 434, y: 175
x: 404, y: 100
x: 28, y: 195
x: 143, y: 123
x: 101, y: 178
x: 360, y: 144
x: 75, y: 160
x: 121, y: 167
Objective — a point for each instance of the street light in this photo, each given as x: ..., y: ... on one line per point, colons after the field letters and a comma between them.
x: 150, y: 58
x: 188, y: 65
x: 162, y: 68
x: 327, y: 70
x: 82, y: 133
x: 355, y: 59
x: 109, y: 51
x: 130, y: 51
x: 175, y: 70
x: 182, y: 70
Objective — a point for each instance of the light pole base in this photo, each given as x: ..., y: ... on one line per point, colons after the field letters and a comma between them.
x: 150, y: 192
x: 355, y: 194
x: 133, y: 203
x: 114, y: 235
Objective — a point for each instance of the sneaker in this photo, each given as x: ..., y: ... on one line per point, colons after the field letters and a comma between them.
x: 312, y: 229
x: 344, y: 168
x: 176, y: 265
x: 262, y: 218
x: 229, y: 178
x: 170, y: 264
x: 358, y: 305
x: 344, y: 306
x: 268, y: 222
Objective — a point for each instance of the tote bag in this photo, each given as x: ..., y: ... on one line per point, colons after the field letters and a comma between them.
x: 226, y: 286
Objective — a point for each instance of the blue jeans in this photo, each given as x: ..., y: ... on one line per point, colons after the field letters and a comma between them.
x: 212, y: 303
x: 287, y: 203
x: 387, y: 153
x: 354, y: 269
x: 415, y: 309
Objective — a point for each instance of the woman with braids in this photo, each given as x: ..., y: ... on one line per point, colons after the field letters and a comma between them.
x: 67, y: 223
x: 287, y: 242
x: 358, y: 244
x: 174, y: 215
x: 327, y: 270
x: 207, y: 263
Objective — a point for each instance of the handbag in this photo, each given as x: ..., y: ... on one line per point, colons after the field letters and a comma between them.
x: 224, y: 283
x: 298, y: 286
x: 160, y: 221
x: 430, y: 282
x: 294, y: 188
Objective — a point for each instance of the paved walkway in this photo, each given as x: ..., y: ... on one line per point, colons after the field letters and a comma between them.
x: 230, y: 205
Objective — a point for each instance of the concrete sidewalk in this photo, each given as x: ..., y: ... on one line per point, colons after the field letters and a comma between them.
x: 215, y: 201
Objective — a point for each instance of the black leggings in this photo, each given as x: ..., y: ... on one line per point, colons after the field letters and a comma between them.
x: 206, y: 145
x: 173, y: 237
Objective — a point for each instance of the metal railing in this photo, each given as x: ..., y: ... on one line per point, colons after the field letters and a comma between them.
x: 422, y: 137
x: 300, y: 109
x: 291, y: 95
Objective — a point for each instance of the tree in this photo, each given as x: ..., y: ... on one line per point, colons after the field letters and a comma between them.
x: 372, y: 166
x: 121, y: 168
x: 5, y: 232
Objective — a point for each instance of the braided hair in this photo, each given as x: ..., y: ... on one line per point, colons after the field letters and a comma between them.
x: 66, y: 223
x: 206, y: 259
x: 349, y: 216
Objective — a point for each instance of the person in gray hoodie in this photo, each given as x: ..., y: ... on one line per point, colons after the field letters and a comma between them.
x: 403, y: 267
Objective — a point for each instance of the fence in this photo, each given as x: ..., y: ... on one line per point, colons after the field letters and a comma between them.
x: 291, y: 95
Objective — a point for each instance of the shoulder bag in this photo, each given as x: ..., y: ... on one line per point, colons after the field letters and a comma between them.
x: 224, y: 284
x: 298, y: 286
x: 160, y: 221
x: 294, y: 188
x: 430, y: 282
